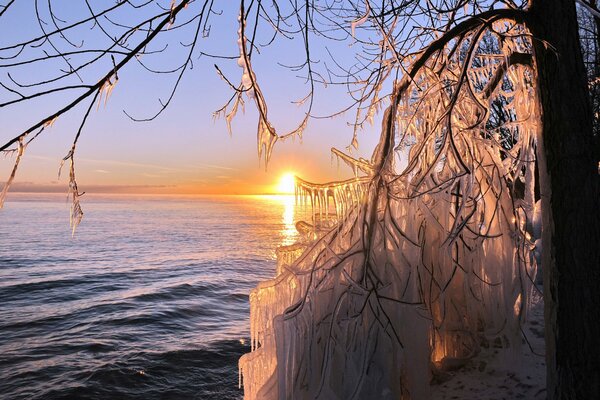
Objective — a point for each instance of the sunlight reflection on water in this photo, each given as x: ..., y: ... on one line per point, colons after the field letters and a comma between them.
x: 289, y: 230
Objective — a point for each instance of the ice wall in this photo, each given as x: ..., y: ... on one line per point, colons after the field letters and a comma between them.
x: 405, y: 271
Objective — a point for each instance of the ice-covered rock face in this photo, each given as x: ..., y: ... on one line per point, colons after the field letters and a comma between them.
x: 408, y: 270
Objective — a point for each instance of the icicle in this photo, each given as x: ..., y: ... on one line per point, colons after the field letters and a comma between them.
x: 20, y: 151
x: 106, y: 90
x: 362, y: 19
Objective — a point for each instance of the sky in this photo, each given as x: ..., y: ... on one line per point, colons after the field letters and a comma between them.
x: 185, y: 150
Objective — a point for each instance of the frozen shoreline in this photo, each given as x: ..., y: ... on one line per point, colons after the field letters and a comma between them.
x: 484, y: 377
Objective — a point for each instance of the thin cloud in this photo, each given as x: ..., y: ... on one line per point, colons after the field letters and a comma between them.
x: 214, y: 166
x: 147, y: 175
x: 129, y: 164
x: 50, y: 188
x: 139, y: 165
x: 42, y: 157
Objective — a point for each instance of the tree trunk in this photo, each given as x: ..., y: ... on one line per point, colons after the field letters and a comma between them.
x: 571, y: 205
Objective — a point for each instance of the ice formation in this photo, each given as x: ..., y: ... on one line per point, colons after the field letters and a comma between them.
x: 407, y: 270
x: 20, y: 150
x: 267, y: 135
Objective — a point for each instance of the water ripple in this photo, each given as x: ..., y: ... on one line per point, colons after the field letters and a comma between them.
x: 148, y: 301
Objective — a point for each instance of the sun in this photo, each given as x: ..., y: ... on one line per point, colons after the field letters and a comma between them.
x: 287, y: 183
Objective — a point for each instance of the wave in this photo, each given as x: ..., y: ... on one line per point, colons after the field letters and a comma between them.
x: 202, y: 373
x: 147, y: 301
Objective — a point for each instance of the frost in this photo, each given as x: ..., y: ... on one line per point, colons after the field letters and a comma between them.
x: 405, y: 269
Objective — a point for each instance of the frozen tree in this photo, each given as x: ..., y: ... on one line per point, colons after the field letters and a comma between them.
x: 412, y: 266
x: 426, y: 253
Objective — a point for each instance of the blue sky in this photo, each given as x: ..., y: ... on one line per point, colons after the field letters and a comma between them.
x: 185, y: 150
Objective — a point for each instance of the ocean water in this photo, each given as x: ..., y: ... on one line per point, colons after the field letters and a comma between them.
x: 149, y: 299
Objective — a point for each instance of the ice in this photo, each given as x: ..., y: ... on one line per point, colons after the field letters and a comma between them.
x: 20, y: 150
x: 406, y: 269
x: 267, y: 135
x: 76, y: 213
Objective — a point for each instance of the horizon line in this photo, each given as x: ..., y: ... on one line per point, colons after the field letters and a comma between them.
x: 148, y: 193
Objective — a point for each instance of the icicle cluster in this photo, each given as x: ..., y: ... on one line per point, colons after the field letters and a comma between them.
x: 267, y: 135
x: 405, y: 270
x: 76, y: 212
x: 331, y: 202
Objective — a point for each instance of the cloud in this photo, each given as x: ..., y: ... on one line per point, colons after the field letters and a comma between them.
x: 158, y: 168
x: 112, y: 163
x: 129, y: 164
x: 213, y: 166
x: 43, y: 157
x: 28, y: 187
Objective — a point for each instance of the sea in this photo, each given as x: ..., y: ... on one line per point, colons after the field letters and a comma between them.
x: 147, y: 300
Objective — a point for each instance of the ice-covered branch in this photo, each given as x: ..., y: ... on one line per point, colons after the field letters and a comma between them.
x: 421, y: 262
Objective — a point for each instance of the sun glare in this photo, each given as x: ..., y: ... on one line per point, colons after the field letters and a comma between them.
x: 286, y: 183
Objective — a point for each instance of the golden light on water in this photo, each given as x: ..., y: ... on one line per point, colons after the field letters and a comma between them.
x: 283, y: 188
x: 289, y: 231
x: 286, y: 183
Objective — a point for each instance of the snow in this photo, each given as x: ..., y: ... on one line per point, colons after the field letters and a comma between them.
x: 487, y: 377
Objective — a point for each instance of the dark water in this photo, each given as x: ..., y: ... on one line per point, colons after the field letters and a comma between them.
x: 149, y: 300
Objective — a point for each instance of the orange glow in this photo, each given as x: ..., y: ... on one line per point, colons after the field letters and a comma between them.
x: 286, y: 183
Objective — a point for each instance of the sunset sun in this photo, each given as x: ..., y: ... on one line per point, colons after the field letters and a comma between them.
x: 286, y: 183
